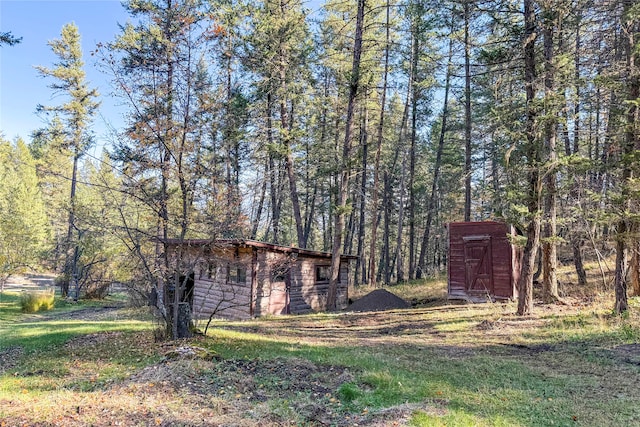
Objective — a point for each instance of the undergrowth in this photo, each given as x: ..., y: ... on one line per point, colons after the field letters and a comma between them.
x: 34, y: 301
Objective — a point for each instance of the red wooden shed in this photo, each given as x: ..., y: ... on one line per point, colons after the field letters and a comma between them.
x: 483, y: 263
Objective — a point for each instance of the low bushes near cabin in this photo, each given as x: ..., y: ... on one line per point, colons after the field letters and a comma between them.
x: 34, y: 301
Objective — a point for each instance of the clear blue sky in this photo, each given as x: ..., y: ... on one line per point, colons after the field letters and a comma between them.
x: 21, y: 89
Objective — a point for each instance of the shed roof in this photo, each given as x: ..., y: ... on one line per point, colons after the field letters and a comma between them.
x: 245, y: 243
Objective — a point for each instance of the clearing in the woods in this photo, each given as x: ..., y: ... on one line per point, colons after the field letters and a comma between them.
x: 435, y: 363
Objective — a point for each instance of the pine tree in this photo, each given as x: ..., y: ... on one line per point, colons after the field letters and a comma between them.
x: 343, y: 190
x: 277, y: 52
x: 9, y: 39
x: 628, y: 222
x: 157, y: 67
x: 76, y: 113
x: 24, y: 227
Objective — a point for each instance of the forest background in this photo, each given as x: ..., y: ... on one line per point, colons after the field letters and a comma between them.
x: 364, y: 129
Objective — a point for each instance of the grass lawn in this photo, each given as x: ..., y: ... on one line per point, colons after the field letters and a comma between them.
x: 436, y: 364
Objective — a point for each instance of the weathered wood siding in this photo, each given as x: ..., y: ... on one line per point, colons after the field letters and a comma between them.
x: 276, y: 283
x: 217, y: 294
x: 309, y: 294
x: 503, y: 266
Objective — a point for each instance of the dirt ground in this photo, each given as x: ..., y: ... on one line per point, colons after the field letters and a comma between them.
x: 29, y: 282
x: 190, y: 386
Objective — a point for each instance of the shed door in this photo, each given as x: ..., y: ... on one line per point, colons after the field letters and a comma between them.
x: 478, y: 264
x: 279, y: 296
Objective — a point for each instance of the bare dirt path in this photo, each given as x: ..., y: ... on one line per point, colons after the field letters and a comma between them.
x: 29, y: 282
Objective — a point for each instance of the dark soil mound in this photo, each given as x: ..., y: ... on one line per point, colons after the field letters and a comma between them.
x: 378, y: 300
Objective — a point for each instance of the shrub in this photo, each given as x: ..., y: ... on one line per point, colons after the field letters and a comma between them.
x: 98, y: 289
x: 34, y: 301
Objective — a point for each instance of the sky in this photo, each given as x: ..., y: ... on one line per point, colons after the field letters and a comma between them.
x: 37, y: 22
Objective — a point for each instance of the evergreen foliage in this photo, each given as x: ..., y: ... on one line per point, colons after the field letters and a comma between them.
x: 9, y: 39
x: 24, y: 231
x: 68, y: 135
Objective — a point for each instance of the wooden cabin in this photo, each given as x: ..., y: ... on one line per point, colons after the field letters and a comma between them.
x: 483, y: 262
x: 240, y: 279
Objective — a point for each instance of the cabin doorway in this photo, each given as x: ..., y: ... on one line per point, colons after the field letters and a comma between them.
x: 279, y: 298
x: 189, y: 284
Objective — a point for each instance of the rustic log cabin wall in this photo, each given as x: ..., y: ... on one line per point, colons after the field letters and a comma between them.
x: 243, y: 279
x: 223, y: 284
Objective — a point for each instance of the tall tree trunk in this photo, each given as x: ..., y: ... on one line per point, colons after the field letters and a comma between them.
x: 525, y: 283
x: 385, y: 256
x: 635, y: 264
x: 311, y: 211
x: 263, y: 193
x: 576, y: 246
x: 316, y: 184
x: 288, y: 164
x: 576, y: 79
x: 624, y: 238
x: 351, y: 223
x: 595, y: 175
x: 387, y: 263
x: 412, y: 154
x: 274, y: 185
x: 398, y: 257
x: 376, y: 163
x: 232, y: 158
x: 467, y: 112
x: 361, y: 262
x: 167, y: 143
x: 424, y: 247
x: 71, y: 261
x: 346, y: 154
x: 549, y: 246
x: 620, y: 278
x: 577, y: 237
x: 495, y: 176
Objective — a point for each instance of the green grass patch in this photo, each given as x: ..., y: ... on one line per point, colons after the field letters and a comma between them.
x: 38, y: 335
x: 556, y: 368
x: 541, y: 390
x: 597, y: 327
x: 9, y: 306
x: 453, y: 365
x: 33, y: 332
x: 69, y: 348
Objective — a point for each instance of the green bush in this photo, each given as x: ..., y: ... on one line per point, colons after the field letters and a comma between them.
x: 34, y: 301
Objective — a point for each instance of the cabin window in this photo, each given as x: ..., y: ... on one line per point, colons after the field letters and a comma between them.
x: 323, y: 273
x: 207, y: 270
x: 212, y: 269
x: 237, y: 274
